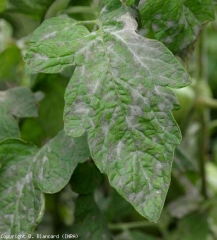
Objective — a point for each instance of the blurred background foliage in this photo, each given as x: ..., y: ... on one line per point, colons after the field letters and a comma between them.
x: 190, y: 211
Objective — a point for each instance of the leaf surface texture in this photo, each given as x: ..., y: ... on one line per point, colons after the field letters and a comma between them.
x: 118, y: 94
x: 176, y: 23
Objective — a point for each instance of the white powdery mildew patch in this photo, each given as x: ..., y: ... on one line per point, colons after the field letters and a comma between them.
x: 157, y: 90
x: 80, y: 108
x: 131, y: 122
x: 109, y: 96
x: 105, y: 129
x: 136, y: 111
x: 49, y: 35
x: 140, y: 198
x: 28, y: 178
x: 162, y: 107
x: 182, y: 20
x: 91, y: 122
x: 130, y: 24
x: 40, y: 173
x: 159, y: 192
x: 168, y: 40
x: 69, y: 144
x: 19, y: 186
x: 133, y: 49
x: 120, y: 183
x: 94, y: 86
x: 158, y: 16
x: 119, y: 149
x: 104, y: 10
x: 142, y: 2
x: 170, y: 24
x: 158, y: 167
x: 150, y: 187
x: 48, y: 147
x: 67, y: 28
x: 41, y: 57
x: 9, y: 217
x: 155, y: 27
x: 136, y: 95
x: 132, y: 197
x: 3, y: 96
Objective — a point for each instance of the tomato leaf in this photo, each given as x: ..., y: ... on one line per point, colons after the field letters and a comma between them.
x: 176, y: 23
x: 2, y: 5
x: 118, y: 94
x: 89, y: 222
x: 21, y: 202
x: 34, y: 8
x: 56, y: 161
x: 18, y: 102
x: 26, y: 168
x: 85, y: 178
x: 8, y: 126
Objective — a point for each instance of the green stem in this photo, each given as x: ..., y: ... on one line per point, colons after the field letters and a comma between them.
x: 204, y: 119
x: 212, y: 126
x: 88, y: 22
x: 137, y: 2
x: 206, y: 102
x: 82, y: 9
x: 125, y: 226
x: 56, y: 7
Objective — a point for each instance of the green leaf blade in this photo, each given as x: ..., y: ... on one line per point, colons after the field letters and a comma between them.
x: 176, y: 23
x: 85, y: 178
x: 21, y: 202
x: 8, y: 126
x: 56, y: 161
x: 89, y: 221
x: 19, y: 101
x: 119, y: 93
x: 53, y: 45
x: 35, y: 8
x: 131, y: 132
x: 2, y: 5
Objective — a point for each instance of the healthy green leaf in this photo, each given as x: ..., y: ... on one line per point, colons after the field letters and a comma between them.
x: 85, y: 178
x: 53, y: 86
x: 89, y: 222
x: 183, y: 162
x: 10, y: 58
x: 117, y: 207
x: 119, y: 94
x: 176, y: 23
x: 19, y: 102
x: 56, y: 161
x: 23, y: 24
x: 35, y: 8
x: 128, y: 2
x: 21, y: 202
x: 134, y: 235
x: 5, y: 34
x: 192, y: 227
x: 8, y: 126
x: 2, y: 5
x: 56, y: 6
